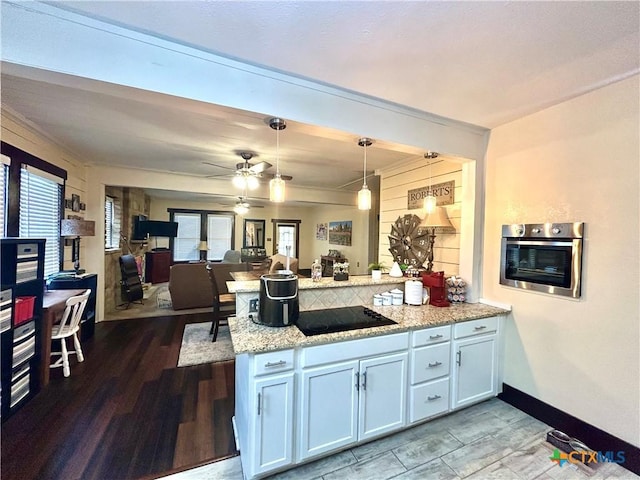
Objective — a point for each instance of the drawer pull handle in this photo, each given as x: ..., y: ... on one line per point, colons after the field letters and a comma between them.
x: 435, y: 364
x: 434, y: 397
x: 435, y: 337
x: 281, y: 363
x: 481, y: 327
x: 459, y: 358
x: 364, y: 381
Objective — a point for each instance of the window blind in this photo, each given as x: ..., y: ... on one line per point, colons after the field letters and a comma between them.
x: 112, y: 222
x: 185, y: 245
x: 219, y: 228
x: 40, y: 195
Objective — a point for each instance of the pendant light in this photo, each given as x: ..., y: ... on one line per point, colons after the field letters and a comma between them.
x: 364, y: 195
x: 430, y: 201
x: 276, y: 185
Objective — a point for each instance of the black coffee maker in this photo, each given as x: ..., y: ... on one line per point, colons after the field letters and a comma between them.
x: 279, y: 305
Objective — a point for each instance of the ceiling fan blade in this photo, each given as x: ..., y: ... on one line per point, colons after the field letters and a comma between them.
x: 260, y: 167
x: 219, y: 166
x: 271, y: 175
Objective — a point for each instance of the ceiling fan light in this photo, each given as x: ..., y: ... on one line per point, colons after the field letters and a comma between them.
x: 239, y: 182
x: 364, y: 198
x: 240, y: 209
x: 252, y: 182
x: 429, y: 203
x: 276, y: 189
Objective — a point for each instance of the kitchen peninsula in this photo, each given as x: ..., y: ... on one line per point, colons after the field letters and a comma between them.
x: 299, y: 398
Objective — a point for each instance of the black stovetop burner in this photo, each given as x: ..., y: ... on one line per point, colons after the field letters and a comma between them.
x: 317, y: 322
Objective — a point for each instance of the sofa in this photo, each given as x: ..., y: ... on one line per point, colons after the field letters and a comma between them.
x: 190, y: 287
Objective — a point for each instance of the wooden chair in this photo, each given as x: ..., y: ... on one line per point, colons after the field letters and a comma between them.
x: 224, y: 303
x: 69, y: 327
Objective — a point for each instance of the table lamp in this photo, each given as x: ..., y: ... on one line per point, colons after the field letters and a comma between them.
x: 438, y: 219
x: 77, y: 228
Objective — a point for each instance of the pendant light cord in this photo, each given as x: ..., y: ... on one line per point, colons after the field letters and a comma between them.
x: 278, y: 152
x: 364, y: 173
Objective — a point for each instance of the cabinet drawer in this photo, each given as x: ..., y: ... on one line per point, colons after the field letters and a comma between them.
x: 273, y: 362
x: 428, y: 400
x: 351, y: 349
x: 475, y: 327
x: 429, y: 336
x: 26, y: 250
x: 431, y: 362
x: 23, y: 331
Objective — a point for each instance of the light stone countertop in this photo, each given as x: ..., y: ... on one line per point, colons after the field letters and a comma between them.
x: 249, y: 337
x: 325, y: 282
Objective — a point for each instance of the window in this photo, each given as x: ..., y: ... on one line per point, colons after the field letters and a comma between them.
x: 111, y: 223
x: 216, y: 228
x: 40, y: 195
x: 4, y: 176
x: 219, y: 230
x: 185, y: 245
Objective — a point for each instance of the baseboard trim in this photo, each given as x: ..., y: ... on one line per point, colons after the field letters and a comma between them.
x: 595, y: 438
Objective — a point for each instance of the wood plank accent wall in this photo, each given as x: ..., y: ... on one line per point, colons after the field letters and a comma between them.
x: 396, y: 181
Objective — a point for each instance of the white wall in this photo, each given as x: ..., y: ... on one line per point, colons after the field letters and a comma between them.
x: 577, y: 161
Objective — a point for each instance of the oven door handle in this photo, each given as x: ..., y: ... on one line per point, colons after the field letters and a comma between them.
x: 538, y: 243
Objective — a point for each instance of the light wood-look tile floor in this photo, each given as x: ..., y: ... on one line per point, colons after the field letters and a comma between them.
x: 491, y: 440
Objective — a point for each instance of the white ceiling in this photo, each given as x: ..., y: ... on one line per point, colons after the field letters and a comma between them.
x: 484, y: 63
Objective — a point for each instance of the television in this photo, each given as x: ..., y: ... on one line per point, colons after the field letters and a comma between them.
x: 156, y: 228
x: 138, y: 234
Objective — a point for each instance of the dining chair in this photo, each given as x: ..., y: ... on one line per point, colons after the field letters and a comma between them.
x: 224, y: 303
x: 68, y: 327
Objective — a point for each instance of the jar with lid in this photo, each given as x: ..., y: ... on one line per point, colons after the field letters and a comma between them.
x: 316, y: 271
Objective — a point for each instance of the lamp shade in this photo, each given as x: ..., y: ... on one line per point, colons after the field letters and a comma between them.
x: 438, y: 218
x: 77, y: 228
x: 202, y: 246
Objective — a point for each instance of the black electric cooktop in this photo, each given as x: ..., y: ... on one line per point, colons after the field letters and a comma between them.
x: 317, y: 322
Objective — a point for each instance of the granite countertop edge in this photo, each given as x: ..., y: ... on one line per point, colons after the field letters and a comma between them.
x: 249, y: 337
x: 325, y: 282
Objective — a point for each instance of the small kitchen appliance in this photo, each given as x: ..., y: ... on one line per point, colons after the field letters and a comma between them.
x: 279, y: 305
x: 415, y: 293
x: 436, y: 283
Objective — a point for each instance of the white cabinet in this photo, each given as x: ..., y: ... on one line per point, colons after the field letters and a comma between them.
x: 264, y: 411
x: 353, y: 400
x: 475, y: 361
x: 429, y: 373
x: 274, y: 422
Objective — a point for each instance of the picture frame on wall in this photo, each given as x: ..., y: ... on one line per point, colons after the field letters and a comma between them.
x: 340, y: 233
x: 75, y: 202
x: 321, y: 231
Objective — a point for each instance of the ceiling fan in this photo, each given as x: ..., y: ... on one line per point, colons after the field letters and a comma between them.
x: 247, y: 175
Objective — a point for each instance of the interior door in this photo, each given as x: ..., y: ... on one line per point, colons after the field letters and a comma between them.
x: 286, y: 236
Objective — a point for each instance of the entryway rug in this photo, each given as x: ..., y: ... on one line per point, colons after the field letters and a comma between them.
x: 197, y: 347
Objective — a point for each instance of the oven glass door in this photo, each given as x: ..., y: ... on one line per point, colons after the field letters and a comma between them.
x: 542, y: 262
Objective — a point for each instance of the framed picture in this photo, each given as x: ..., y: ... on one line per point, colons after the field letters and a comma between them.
x: 83, y: 206
x: 67, y: 203
x: 340, y: 233
x: 321, y: 231
x: 75, y: 202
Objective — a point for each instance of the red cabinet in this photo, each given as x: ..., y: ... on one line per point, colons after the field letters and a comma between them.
x: 157, y: 265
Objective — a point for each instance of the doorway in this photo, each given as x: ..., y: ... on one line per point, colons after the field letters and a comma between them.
x: 286, y: 235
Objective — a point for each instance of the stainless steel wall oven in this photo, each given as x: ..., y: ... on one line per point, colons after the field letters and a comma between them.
x: 544, y: 257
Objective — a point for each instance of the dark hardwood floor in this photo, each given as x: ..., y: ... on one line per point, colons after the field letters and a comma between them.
x: 126, y: 412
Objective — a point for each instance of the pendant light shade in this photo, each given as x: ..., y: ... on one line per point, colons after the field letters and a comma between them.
x: 276, y: 185
x: 430, y: 202
x: 364, y: 195
x: 276, y: 189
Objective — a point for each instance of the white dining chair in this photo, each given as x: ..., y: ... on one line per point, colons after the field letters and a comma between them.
x: 69, y: 327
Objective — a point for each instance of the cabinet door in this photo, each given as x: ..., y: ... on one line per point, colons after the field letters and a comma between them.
x: 274, y: 422
x: 329, y: 401
x: 475, y: 370
x: 383, y: 387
